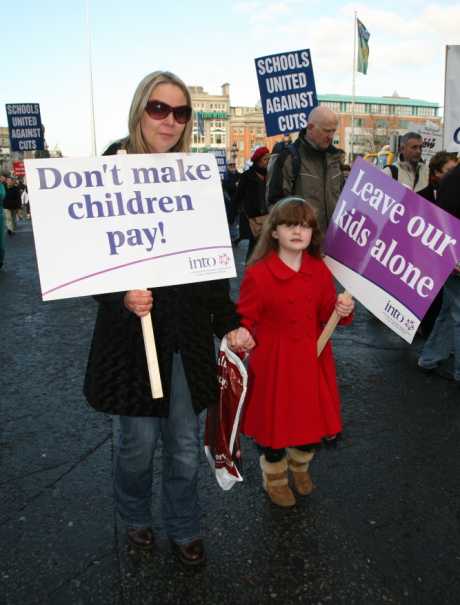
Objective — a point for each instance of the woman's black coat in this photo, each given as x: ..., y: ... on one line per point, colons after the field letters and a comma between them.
x: 185, y: 318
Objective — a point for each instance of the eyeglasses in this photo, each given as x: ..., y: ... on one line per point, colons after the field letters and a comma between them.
x: 158, y: 110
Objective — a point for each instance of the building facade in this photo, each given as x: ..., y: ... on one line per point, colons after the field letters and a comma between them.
x: 217, y: 125
x: 211, y: 119
x: 378, y: 120
x: 247, y: 132
x: 240, y: 130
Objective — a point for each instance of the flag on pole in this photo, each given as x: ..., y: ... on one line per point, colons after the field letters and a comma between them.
x: 363, y: 47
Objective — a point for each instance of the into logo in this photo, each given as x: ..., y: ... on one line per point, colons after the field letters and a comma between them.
x: 202, y: 263
x: 399, y: 317
x: 207, y: 263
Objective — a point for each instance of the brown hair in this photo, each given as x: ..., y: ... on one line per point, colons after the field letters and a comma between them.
x: 288, y: 211
x: 439, y: 159
x: 135, y: 142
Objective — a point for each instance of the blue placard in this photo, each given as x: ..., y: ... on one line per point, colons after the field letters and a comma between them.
x: 221, y: 158
x: 287, y: 90
x: 25, y: 127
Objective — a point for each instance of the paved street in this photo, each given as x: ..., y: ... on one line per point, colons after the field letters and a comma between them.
x: 382, y: 527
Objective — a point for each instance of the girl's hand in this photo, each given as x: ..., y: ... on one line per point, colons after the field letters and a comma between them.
x: 344, y: 305
x: 240, y: 340
x: 138, y: 302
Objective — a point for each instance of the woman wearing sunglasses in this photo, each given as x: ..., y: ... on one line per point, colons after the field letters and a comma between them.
x: 185, y: 318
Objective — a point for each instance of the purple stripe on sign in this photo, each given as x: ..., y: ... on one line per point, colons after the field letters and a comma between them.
x: 134, y: 262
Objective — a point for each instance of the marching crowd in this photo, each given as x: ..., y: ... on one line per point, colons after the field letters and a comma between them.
x: 14, y: 205
x: 282, y: 204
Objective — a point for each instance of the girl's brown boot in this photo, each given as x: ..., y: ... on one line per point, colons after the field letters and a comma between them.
x: 275, y: 481
x: 299, y: 462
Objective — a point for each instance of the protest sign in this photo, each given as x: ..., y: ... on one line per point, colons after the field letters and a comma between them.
x: 25, y: 127
x: 452, y: 99
x: 18, y: 168
x: 431, y: 134
x: 221, y: 159
x: 287, y: 90
x: 124, y: 222
x: 390, y: 248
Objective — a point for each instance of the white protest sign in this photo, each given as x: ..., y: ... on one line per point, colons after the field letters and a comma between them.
x: 431, y: 134
x: 124, y: 222
x: 452, y: 99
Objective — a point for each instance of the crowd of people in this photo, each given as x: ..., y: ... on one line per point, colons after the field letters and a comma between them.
x: 14, y: 206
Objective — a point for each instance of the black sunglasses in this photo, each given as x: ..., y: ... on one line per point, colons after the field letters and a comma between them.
x: 158, y: 110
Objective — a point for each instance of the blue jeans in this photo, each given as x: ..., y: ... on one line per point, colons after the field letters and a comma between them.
x: 181, y: 455
x: 446, y: 330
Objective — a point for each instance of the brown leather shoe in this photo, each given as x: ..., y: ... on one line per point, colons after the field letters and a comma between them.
x: 141, y: 537
x: 190, y: 554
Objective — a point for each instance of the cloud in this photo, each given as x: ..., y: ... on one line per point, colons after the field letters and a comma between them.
x: 406, y: 45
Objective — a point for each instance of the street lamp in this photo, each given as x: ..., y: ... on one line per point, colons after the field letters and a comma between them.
x: 234, y: 152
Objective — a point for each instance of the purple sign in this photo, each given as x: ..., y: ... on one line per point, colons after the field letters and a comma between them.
x: 386, y: 235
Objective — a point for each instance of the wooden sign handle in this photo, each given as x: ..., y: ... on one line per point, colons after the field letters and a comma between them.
x: 328, y: 330
x: 152, y: 359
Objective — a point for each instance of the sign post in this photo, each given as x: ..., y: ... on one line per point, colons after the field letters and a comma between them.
x: 287, y: 90
x: 25, y: 127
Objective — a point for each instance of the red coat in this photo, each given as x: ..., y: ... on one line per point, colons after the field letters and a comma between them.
x: 292, y: 395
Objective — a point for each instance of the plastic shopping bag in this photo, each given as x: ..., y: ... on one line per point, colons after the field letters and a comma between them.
x: 222, y: 421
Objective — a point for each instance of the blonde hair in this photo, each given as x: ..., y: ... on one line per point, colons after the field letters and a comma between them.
x: 135, y: 142
x: 290, y: 210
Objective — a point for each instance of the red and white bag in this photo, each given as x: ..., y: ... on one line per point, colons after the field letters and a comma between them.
x: 221, y: 438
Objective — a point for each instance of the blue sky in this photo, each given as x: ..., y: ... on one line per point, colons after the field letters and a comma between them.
x: 45, y: 52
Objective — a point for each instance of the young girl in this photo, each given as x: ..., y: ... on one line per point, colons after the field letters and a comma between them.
x: 286, y: 297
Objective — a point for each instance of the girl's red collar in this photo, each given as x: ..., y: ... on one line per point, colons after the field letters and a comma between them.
x: 280, y: 270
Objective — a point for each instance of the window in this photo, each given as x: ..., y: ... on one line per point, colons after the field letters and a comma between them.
x: 332, y: 105
x: 425, y: 111
x: 375, y: 108
x: 401, y: 110
x: 381, y: 123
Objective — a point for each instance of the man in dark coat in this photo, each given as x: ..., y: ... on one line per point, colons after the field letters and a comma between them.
x: 446, y: 330
x: 250, y: 195
x: 11, y: 204
x: 230, y: 184
x: 440, y: 164
x: 316, y: 176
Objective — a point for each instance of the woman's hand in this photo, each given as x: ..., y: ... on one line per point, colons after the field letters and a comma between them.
x: 138, y: 302
x: 344, y: 305
x: 240, y: 340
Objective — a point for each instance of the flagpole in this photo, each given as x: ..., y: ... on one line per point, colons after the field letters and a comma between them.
x: 353, y: 92
x: 91, y: 91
